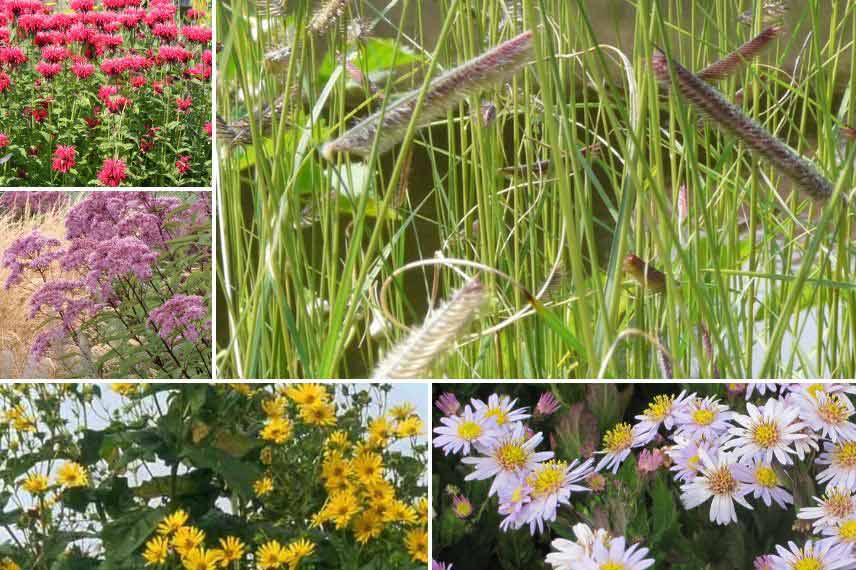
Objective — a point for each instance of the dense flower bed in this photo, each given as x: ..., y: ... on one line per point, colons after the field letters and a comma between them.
x: 114, y: 94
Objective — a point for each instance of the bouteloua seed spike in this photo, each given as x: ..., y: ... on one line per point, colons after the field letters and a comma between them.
x: 731, y: 119
x: 449, y: 89
x: 729, y: 64
x: 421, y: 350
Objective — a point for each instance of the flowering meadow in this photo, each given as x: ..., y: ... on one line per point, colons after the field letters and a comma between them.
x: 105, y: 93
x: 628, y: 477
x: 208, y: 477
x: 117, y: 286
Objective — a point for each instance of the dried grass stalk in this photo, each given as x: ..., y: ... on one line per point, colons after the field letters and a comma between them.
x: 424, y: 347
x: 729, y: 118
x: 451, y: 88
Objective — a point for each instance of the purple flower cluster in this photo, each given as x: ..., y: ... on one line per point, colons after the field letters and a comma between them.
x: 112, y: 259
x: 185, y: 314
x: 18, y: 202
x: 34, y: 252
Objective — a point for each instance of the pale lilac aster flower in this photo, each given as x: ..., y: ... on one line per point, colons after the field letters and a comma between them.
x: 766, y: 432
x: 686, y: 457
x: 812, y: 556
x: 547, y: 405
x: 841, y: 458
x: 440, y: 565
x: 703, y: 418
x: 182, y: 316
x: 761, y: 387
x: 764, y: 562
x: 617, y: 444
x: 616, y: 555
x: 569, y: 554
x: 462, y: 507
x: 509, y: 460
x: 512, y: 501
x: 841, y: 533
x: 826, y: 413
x: 551, y: 485
x: 764, y: 483
x: 501, y: 407
x: 448, y: 404
x: 837, y: 505
x: 722, y: 480
x: 661, y: 411
x: 460, y: 434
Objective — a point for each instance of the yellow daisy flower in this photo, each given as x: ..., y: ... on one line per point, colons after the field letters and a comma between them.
x: 157, y: 551
x: 72, y: 474
x: 36, y: 484
x: 402, y: 411
x: 368, y: 467
x: 277, y: 430
x: 8, y: 564
x: 231, y: 549
x: 173, y: 522
x: 411, y: 427
x: 263, y: 486
x: 400, y: 511
x: 421, y: 507
x: 416, y: 541
x: 187, y: 538
x: 271, y: 556
x: 274, y: 407
x: 298, y: 550
x: 321, y: 414
x: 201, y: 559
x: 307, y: 394
x: 367, y: 526
x: 338, y: 440
x: 342, y: 507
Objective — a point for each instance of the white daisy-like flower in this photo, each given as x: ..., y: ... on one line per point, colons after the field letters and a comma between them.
x: 459, y: 434
x: 841, y: 458
x: 826, y: 413
x: 617, y: 444
x: 836, y: 506
x: 616, y: 556
x: 501, y: 408
x: 686, y: 459
x: 766, y: 432
x: 512, y: 500
x: 661, y: 411
x: 765, y: 484
x: 761, y: 387
x: 842, y: 533
x: 570, y: 554
x: 812, y: 556
x: 703, y: 418
x: 509, y: 461
x: 722, y: 480
x: 551, y: 485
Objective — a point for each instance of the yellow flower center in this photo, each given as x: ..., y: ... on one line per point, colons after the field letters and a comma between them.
x: 814, y: 389
x: 847, y: 531
x: 693, y: 461
x: 511, y: 456
x: 499, y: 414
x: 838, y: 504
x: 612, y: 566
x: 469, y: 431
x: 766, y: 434
x: 766, y: 477
x: 722, y: 482
x: 808, y: 564
x: 660, y: 407
x: 703, y: 417
x: 618, y: 438
x: 464, y: 509
x: 548, y: 479
x: 845, y: 454
x: 832, y: 411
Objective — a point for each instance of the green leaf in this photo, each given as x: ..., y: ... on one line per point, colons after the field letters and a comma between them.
x: 239, y: 475
x: 124, y: 536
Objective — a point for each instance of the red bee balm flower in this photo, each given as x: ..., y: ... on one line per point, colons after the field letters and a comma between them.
x: 48, y: 70
x: 183, y: 164
x: 183, y: 104
x: 63, y: 158
x: 112, y: 172
x: 82, y: 70
x: 4, y: 140
x: 5, y: 82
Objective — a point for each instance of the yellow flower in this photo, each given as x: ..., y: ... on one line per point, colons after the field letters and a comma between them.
x: 274, y: 407
x: 416, y: 541
x: 231, y: 549
x: 72, y: 474
x: 342, y: 506
x: 17, y: 417
x: 367, y: 526
x: 263, y: 486
x: 380, y: 430
x: 402, y: 411
x: 271, y: 556
x: 380, y: 491
x: 157, y: 551
x: 400, y: 511
x: 8, y: 564
x: 36, y: 484
x: 173, y: 522
x: 298, y: 550
x: 369, y: 467
x: 321, y: 414
x: 338, y: 440
x: 125, y: 388
x: 422, y: 510
x: 411, y: 427
x: 201, y: 559
x: 307, y: 394
x: 277, y: 430
x: 186, y: 539
x: 243, y: 389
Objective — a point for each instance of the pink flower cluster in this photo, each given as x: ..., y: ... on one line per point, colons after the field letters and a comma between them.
x: 182, y: 316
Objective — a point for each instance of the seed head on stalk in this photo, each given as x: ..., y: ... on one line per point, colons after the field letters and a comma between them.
x: 238, y: 132
x: 326, y: 15
x: 271, y: 8
x: 644, y: 273
x: 729, y: 64
x: 491, y: 68
x: 415, y: 355
x: 729, y: 118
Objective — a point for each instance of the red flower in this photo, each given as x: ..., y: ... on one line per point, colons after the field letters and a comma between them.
x: 183, y: 163
x: 107, y: 91
x: 38, y: 115
x: 48, y: 70
x: 168, y: 31
x: 63, y: 158
x: 4, y: 140
x: 112, y: 172
x: 117, y: 104
x: 82, y: 70
x: 138, y: 81
x: 12, y: 56
x: 5, y: 82
x: 183, y: 104
x: 198, y: 34
x: 54, y: 54
x: 208, y: 128
x: 82, y: 5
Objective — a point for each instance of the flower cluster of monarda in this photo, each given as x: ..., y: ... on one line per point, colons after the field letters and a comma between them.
x: 81, y: 88
x: 177, y: 540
